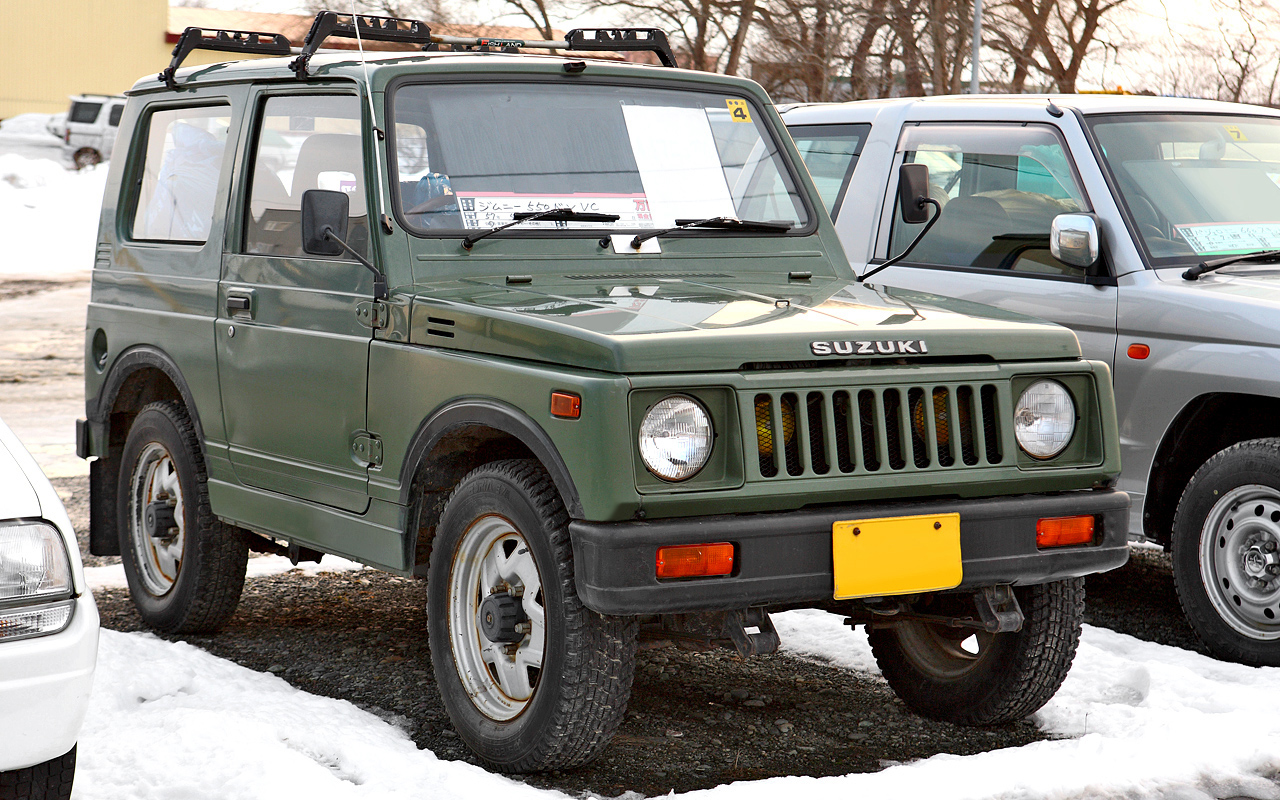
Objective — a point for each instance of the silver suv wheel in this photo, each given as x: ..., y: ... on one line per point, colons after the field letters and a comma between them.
x: 1240, y: 560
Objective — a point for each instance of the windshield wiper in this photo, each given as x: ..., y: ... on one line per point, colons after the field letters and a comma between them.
x: 727, y: 223
x: 1208, y: 266
x: 551, y: 214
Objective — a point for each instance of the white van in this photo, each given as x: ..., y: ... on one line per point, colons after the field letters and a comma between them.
x: 89, y: 132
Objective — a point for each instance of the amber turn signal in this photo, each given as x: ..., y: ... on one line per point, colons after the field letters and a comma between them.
x: 1139, y: 351
x: 565, y: 405
x: 1061, y: 531
x: 695, y: 560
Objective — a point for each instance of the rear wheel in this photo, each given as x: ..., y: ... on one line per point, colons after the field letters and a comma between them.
x: 977, y: 678
x: 532, y: 679
x: 87, y: 157
x: 185, y: 567
x: 48, y: 781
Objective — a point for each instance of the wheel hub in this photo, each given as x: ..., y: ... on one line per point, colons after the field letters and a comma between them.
x: 159, y: 521
x: 501, y: 619
x: 1240, y: 560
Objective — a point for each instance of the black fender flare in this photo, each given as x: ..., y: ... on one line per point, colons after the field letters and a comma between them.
x: 499, y: 416
x: 98, y: 409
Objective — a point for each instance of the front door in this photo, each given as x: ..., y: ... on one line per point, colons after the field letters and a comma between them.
x: 292, y: 355
x: 1000, y: 186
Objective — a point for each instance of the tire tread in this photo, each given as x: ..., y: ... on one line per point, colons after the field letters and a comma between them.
x: 51, y: 780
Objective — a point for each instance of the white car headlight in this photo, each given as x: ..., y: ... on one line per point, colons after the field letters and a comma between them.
x: 35, y: 573
x: 1044, y: 419
x: 676, y: 438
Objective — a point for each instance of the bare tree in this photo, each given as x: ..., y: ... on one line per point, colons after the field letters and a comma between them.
x: 1049, y: 38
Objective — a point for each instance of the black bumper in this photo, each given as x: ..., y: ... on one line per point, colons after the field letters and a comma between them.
x: 786, y: 557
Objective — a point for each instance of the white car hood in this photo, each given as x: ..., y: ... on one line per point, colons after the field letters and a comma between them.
x: 18, y: 497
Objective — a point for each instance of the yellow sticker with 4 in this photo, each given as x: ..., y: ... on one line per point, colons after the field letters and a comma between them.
x: 738, y: 110
x: 1235, y: 133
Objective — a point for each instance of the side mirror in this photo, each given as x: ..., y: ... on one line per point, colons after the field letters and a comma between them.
x: 323, y: 209
x: 913, y: 188
x: 1074, y: 238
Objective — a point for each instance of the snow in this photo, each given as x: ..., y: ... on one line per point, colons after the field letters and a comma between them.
x: 112, y: 577
x: 48, y: 212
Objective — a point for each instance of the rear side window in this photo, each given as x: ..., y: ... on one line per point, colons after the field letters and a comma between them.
x: 304, y: 142
x: 114, y: 119
x: 180, y: 170
x: 84, y: 112
x: 831, y: 154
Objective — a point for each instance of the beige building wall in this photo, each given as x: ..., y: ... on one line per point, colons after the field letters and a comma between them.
x: 52, y: 49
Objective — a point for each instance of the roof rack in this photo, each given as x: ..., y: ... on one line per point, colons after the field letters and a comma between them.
x: 359, y: 26
x: 650, y: 40
x: 269, y: 44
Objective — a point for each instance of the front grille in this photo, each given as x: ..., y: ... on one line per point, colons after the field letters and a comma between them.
x: 828, y: 432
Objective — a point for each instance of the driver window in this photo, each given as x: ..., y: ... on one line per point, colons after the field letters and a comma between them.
x: 304, y: 142
x: 1000, y: 187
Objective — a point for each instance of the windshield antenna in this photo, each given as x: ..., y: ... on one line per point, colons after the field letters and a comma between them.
x: 373, y: 122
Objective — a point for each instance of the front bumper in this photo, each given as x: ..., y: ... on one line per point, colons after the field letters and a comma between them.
x: 44, y: 689
x: 787, y: 558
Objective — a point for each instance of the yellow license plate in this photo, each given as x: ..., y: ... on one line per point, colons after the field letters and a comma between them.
x: 896, y: 555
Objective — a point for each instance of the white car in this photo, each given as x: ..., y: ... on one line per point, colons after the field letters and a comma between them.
x: 48, y: 632
x: 89, y: 130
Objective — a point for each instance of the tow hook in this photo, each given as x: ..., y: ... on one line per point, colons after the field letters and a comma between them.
x: 999, y: 609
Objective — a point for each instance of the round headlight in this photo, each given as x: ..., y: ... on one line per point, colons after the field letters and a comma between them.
x: 675, y: 438
x: 1044, y: 419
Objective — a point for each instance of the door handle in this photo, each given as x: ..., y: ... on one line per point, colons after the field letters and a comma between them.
x: 237, y: 303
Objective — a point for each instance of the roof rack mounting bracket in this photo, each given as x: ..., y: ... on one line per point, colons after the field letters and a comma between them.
x: 361, y: 26
x: 652, y: 40
x: 255, y: 42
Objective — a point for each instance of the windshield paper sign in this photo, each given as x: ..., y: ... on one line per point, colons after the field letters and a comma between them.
x: 1231, y: 237
x: 491, y: 209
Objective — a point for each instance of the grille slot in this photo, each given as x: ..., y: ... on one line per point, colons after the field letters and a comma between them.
x: 816, y: 433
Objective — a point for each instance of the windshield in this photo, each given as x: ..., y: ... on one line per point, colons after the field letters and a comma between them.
x: 469, y: 156
x: 1196, y: 185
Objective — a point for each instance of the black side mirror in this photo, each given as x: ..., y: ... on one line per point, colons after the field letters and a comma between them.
x: 324, y: 210
x: 913, y: 190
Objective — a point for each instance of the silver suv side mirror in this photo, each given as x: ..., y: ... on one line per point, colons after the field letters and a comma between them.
x: 1073, y: 239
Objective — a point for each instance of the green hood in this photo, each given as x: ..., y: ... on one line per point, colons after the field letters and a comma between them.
x: 639, y: 324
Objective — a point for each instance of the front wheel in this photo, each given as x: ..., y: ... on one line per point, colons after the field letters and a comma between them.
x: 51, y: 780
x: 1226, y: 553
x: 977, y: 678
x: 532, y: 679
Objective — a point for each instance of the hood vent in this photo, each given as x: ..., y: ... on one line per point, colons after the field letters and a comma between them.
x: 648, y: 276
x: 439, y: 326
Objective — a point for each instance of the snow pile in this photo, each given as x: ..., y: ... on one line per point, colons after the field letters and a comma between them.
x: 48, y: 216
x: 31, y: 128
x: 112, y: 577
x: 168, y: 720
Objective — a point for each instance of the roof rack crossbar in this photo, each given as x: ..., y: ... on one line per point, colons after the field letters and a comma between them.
x: 268, y: 44
x: 650, y: 40
x: 371, y: 28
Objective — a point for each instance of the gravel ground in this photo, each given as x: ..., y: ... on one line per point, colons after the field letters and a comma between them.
x: 696, y: 720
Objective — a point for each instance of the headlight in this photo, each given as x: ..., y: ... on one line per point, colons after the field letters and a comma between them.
x: 675, y: 438
x: 1044, y: 419
x: 35, y: 570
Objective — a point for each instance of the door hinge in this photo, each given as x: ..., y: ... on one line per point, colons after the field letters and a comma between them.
x: 373, y: 314
x: 366, y: 449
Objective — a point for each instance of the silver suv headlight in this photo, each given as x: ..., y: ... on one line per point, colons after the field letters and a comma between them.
x: 35, y: 580
x: 1044, y: 419
x: 676, y: 438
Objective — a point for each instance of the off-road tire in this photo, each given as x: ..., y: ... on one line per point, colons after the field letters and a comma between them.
x: 1251, y: 463
x: 589, y: 659
x: 215, y: 554
x: 48, y: 781
x: 1013, y: 675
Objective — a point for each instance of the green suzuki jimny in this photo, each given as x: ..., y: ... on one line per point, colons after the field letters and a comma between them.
x: 574, y: 340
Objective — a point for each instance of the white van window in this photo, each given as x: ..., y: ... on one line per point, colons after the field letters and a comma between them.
x: 180, y: 173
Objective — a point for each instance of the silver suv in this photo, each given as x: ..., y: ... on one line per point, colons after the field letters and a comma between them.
x: 1151, y: 227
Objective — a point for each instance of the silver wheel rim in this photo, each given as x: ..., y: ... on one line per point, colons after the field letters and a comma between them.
x: 943, y: 653
x: 499, y: 678
x: 1240, y: 560
x: 159, y: 559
